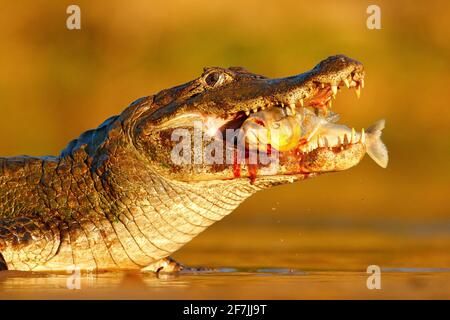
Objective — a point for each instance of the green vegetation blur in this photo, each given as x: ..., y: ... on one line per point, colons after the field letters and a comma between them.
x: 55, y: 83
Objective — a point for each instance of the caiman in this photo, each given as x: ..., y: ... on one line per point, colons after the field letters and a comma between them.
x: 128, y: 194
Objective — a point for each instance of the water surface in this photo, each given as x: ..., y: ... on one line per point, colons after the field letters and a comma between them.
x: 272, y: 263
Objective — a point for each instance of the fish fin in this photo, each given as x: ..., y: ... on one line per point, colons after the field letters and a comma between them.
x: 375, y: 147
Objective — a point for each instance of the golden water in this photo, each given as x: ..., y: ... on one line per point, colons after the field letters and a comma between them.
x: 88, y: 76
x: 274, y: 262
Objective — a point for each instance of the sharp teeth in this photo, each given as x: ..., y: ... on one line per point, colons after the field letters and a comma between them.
x: 353, y: 136
x: 325, y: 142
x: 319, y: 143
x: 334, y: 89
x: 363, y: 136
x: 263, y: 108
x: 345, y: 139
x: 358, y: 91
x: 292, y: 106
x: 255, y: 110
x: 306, y: 94
x: 322, y: 85
x: 347, y: 84
x: 282, y: 104
x: 302, y: 102
x: 362, y: 83
x: 329, y: 103
x: 339, y: 141
x: 247, y: 113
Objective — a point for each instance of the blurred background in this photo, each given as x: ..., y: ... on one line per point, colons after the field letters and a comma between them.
x: 56, y: 83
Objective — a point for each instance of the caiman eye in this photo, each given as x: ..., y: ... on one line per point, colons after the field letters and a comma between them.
x: 215, y: 79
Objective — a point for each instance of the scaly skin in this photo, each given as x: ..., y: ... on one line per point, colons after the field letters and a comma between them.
x: 114, y: 200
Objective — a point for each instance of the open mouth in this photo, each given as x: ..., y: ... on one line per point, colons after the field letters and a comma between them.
x: 304, y: 123
x: 302, y: 130
x: 255, y: 126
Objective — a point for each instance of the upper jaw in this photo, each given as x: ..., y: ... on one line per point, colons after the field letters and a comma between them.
x: 315, y: 89
x: 341, y: 146
x: 241, y: 97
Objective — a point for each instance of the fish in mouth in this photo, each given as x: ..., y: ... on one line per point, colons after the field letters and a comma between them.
x: 290, y: 117
x: 144, y: 183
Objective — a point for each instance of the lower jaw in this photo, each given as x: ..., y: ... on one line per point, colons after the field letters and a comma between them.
x: 288, y: 167
x: 317, y: 161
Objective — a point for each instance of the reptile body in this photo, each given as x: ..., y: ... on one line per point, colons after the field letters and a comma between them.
x: 115, y: 198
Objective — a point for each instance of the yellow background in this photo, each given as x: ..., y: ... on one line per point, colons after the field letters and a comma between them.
x: 56, y: 83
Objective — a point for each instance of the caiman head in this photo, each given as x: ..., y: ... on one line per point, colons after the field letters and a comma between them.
x: 233, y: 124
